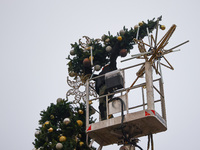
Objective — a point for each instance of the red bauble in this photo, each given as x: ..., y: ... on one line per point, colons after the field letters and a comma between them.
x: 86, y: 62
x: 123, y: 53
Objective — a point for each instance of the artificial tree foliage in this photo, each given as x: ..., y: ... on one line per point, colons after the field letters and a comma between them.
x: 101, y: 56
x: 53, y: 117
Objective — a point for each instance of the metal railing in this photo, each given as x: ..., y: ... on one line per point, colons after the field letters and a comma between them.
x: 126, y: 90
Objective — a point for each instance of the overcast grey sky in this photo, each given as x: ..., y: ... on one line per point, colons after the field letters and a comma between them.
x: 35, y: 39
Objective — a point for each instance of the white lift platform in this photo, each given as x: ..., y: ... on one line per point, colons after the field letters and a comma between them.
x: 136, y: 123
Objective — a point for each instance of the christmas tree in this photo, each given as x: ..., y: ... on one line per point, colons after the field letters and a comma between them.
x: 62, y: 127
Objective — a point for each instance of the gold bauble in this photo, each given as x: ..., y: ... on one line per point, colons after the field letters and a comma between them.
x: 107, y: 40
x: 52, y: 116
x: 80, y: 111
x: 47, y: 122
x: 62, y: 139
x: 79, y: 122
x: 81, y: 143
x: 119, y: 38
x: 140, y: 23
x: 91, y: 58
x: 162, y: 27
x: 50, y: 129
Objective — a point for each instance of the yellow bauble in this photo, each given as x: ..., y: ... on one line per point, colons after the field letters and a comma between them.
x: 90, y: 102
x: 62, y: 139
x: 52, y: 116
x: 47, y: 122
x: 162, y: 27
x: 91, y: 58
x: 79, y: 122
x: 119, y: 38
x: 80, y: 111
x: 140, y: 23
x: 50, y: 129
x: 81, y: 143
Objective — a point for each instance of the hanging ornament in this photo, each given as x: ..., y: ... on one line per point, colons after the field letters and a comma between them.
x: 50, y: 129
x: 136, y: 26
x: 79, y: 122
x: 162, y: 27
x: 34, y: 149
x: 79, y: 135
x: 59, y: 100
x: 62, y: 139
x: 71, y: 74
x: 119, y: 38
x: 108, y: 48
x: 52, y: 117
x: 37, y: 132
x: 124, y: 148
x: 59, y: 146
x: 107, y: 40
x: 121, y: 32
x: 103, y: 37
x: 81, y: 143
x: 123, y: 53
x: 66, y: 121
x: 46, y: 123
x: 97, y: 67
x: 91, y: 58
x: 80, y: 111
x: 86, y: 62
x: 72, y: 52
x: 140, y: 23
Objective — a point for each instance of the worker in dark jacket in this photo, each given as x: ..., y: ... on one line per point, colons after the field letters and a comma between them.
x: 100, y: 82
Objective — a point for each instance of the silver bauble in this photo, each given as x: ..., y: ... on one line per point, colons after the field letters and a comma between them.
x: 121, y: 32
x: 59, y: 100
x: 59, y: 146
x: 66, y: 121
x: 103, y: 37
x: 108, y: 48
x: 97, y: 67
x: 72, y: 52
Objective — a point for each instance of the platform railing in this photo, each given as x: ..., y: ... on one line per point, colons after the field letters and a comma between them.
x: 123, y: 91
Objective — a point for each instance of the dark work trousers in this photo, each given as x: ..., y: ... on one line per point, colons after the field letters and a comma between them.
x: 102, y: 102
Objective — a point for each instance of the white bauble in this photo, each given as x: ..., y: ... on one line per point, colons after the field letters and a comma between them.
x: 34, y: 149
x: 136, y: 26
x: 59, y: 146
x: 108, y: 48
x: 37, y: 132
x: 121, y: 32
x: 72, y: 52
x: 124, y: 148
x: 66, y: 121
x: 97, y: 67
x: 59, y: 100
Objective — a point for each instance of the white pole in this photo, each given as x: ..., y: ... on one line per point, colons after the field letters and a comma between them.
x: 149, y: 86
x: 91, y: 56
x: 87, y: 104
